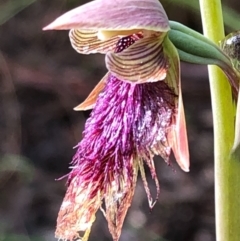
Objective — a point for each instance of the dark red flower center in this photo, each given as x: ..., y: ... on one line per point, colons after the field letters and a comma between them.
x: 127, y: 41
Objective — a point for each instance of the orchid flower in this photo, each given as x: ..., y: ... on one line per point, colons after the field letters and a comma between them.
x: 137, y: 111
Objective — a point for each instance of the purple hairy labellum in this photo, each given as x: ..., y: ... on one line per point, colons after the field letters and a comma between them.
x: 128, y: 126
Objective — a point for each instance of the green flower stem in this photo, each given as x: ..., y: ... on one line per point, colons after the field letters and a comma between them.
x: 227, y: 170
x: 230, y: 15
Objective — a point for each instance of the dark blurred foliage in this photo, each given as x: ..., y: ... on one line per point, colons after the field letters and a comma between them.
x: 41, y: 79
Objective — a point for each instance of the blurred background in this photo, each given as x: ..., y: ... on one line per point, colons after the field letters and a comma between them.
x: 41, y: 79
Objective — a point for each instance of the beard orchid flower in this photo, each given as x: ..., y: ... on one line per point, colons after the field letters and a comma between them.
x: 137, y: 111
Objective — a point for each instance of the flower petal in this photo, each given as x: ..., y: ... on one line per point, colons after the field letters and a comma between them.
x: 144, y: 61
x: 89, y: 103
x: 115, y: 15
x: 178, y: 136
x: 180, y: 144
x: 150, y: 164
x: 119, y: 198
x: 87, y: 41
x: 78, y: 210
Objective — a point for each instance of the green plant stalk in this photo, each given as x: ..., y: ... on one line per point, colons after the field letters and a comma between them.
x: 230, y: 15
x: 227, y: 170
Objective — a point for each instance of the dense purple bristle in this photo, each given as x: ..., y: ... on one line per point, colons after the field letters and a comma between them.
x: 129, y: 124
x: 129, y: 120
